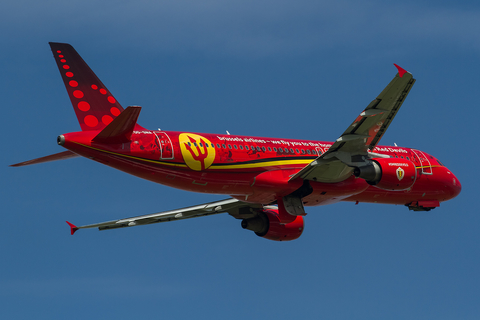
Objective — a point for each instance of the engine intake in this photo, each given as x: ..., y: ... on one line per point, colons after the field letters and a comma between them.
x: 388, y: 173
x: 267, y: 225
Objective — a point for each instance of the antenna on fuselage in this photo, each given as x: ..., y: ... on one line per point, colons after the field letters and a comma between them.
x: 227, y: 132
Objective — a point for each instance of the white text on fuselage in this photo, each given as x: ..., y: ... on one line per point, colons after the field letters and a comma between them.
x: 281, y: 142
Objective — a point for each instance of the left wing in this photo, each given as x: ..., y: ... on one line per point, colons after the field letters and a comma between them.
x: 234, y: 207
x: 353, y: 147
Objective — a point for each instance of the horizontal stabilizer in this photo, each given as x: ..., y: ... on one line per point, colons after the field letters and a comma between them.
x: 53, y: 157
x: 121, y: 128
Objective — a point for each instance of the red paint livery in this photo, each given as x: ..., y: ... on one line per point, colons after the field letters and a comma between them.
x: 270, y: 180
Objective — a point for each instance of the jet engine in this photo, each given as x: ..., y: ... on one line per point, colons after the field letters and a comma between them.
x: 388, y: 173
x: 267, y: 225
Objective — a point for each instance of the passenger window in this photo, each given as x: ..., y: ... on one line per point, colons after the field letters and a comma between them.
x: 297, y: 151
x: 241, y: 147
x: 303, y: 151
x: 201, y: 144
x: 269, y: 149
x: 229, y: 146
x: 195, y: 144
x: 291, y: 150
x: 246, y: 148
x: 235, y: 146
x: 280, y: 149
x: 308, y: 151
x: 189, y: 144
x: 275, y: 149
x: 223, y: 146
x: 258, y: 149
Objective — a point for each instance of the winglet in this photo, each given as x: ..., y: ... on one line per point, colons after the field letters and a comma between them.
x: 401, y: 71
x: 73, y: 228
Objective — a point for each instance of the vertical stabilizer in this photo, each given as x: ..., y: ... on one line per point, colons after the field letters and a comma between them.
x: 94, y: 105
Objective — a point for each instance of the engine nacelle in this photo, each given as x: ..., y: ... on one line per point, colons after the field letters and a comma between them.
x: 267, y: 225
x: 388, y: 173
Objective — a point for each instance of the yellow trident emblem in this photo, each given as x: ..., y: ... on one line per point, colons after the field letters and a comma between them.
x: 197, y: 151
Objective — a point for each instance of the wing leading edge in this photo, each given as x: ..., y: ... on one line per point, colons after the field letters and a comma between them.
x: 353, y: 147
x: 234, y: 207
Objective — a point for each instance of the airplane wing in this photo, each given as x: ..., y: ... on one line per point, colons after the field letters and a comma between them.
x: 353, y: 147
x: 234, y: 207
x: 53, y: 157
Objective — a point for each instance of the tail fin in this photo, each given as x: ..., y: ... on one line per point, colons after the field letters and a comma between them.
x: 94, y: 105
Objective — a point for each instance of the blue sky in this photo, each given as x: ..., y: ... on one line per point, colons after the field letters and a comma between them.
x: 302, y: 69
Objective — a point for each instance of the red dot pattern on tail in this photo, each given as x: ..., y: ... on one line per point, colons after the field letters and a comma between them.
x: 115, y: 111
x: 78, y: 94
x: 84, y: 106
x: 94, y: 105
x: 91, y: 121
x: 107, y: 119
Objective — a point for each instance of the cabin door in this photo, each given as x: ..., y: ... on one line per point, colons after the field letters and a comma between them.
x: 166, y: 146
x: 425, y: 164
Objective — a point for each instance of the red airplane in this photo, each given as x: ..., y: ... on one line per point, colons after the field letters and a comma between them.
x: 270, y: 181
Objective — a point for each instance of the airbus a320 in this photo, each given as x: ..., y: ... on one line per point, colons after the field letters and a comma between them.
x: 269, y: 181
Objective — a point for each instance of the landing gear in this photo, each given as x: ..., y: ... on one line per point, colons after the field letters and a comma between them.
x: 415, y: 206
x: 294, y: 205
x: 419, y: 208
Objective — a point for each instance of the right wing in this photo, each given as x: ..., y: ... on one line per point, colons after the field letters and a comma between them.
x: 354, y: 146
x: 53, y: 157
x: 234, y: 207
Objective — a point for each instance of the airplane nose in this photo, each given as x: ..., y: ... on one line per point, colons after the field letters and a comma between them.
x: 448, y: 182
x: 455, y: 186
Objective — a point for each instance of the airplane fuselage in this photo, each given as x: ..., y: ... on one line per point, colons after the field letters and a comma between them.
x: 270, y: 180
x: 256, y: 169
